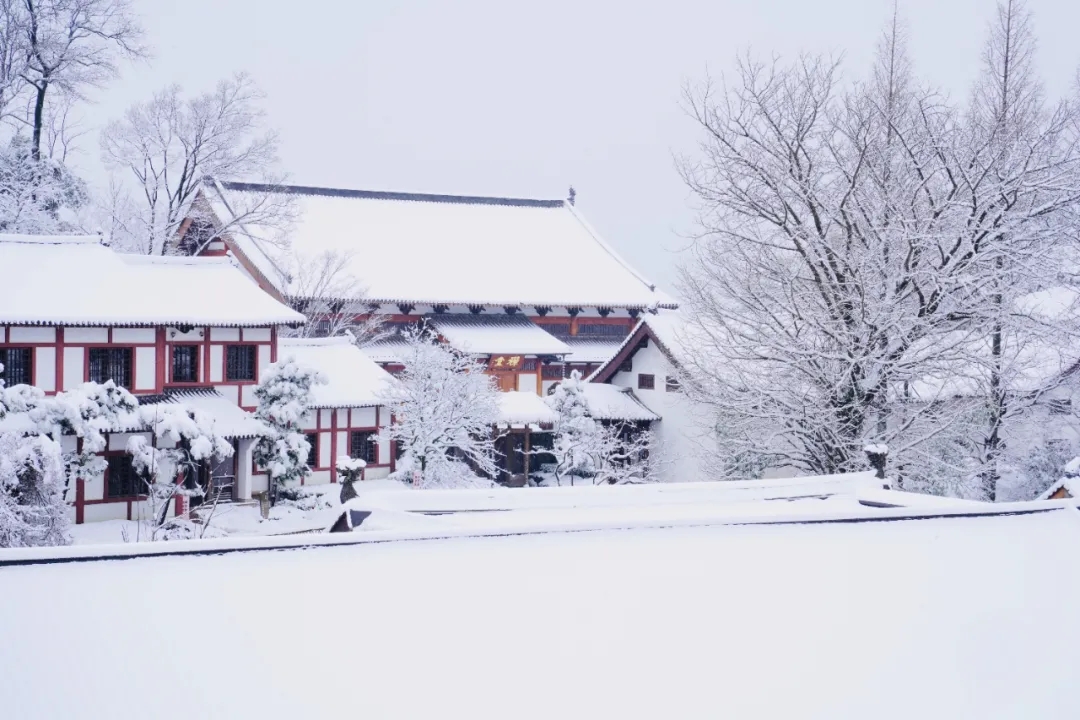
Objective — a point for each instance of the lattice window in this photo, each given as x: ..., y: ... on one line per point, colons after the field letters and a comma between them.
x: 646, y: 382
x: 121, y: 480
x: 185, y: 363
x: 240, y: 362
x: 18, y: 366
x: 362, y: 445
x: 111, y: 364
x: 602, y: 330
x: 313, y: 453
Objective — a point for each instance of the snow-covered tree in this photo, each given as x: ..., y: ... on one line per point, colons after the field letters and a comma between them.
x: 858, y: 243
x: 445, y: 408
x: 587, y: 450
x: 284, y: 396
x: 183, y: 441
x: 32, y: 481
x: 33, y: 193
x: 164, y: 150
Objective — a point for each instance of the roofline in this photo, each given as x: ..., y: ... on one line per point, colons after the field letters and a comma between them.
x: 389, y: 195
x: 607, y: 370
x: 499, y: 303
x: 150, y: 323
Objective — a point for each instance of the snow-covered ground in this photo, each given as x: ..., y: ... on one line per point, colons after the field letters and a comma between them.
x: 939, y: 618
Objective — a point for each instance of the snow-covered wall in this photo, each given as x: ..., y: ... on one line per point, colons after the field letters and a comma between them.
x: 679, y: 432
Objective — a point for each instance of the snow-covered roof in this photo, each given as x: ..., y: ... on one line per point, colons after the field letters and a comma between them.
x: 524, y: 408
x: 668, y: 329
x: 387, y: 350
x: 496, y: 334
x: 230, y: 420
x: 1070, y: 485
x: 75, y: 280
x: 591, y: 349
x: 445, y: 249
x: 352, y: 378
x: 609, y: 402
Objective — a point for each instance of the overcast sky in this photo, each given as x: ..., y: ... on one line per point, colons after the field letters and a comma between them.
x: 523, y: 99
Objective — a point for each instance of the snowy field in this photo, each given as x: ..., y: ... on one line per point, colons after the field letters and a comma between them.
x: 939, y: 618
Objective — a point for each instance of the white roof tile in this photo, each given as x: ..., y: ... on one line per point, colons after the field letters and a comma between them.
x: 75, y: 280
x: 496, y: 334
x: 438, y: 249
x: 592, y: 350
x: 608, y: 402
x: 353, y: 378
x: 520, y: 408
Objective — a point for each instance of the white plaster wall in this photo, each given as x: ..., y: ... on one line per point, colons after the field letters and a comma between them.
x: 256, y: 334
x: 376, y: 473
x: 318, y: 477
x: 145, y: 368
x: 342, y: 418
x: 106, y: 511
x: 680, y: 435
x: 244, y: 448
x: 527, y: 382
x: 263, y: 359
x: 225, y: 334
x: 86, y: 334
x: 363, y: 417
x: 73, y: 367
x: 247, y: 396
x: 217, y: 363
x: 324, y: 417
x: 324, y: 449
x: 45, y: 368
x: 342, y: 444
x: 32, y: 334
x: 94, y: 486
x: 134, y: 335
x: 308, y: 421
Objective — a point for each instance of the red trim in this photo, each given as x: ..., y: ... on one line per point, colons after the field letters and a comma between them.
x: 630, y: 346
x: 206, y: 357
x: 393, y: 448
x: 333, y: 445
x: 80, y: 501
x: 163, y: 359
x: 59, y: 359
x: 273, y: 344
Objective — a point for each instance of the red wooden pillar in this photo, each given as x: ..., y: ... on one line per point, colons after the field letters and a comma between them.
x: 162, y: 359
x: 393, y: 448
x: 333, y: 445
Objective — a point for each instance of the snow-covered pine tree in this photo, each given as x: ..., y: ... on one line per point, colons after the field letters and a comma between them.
x: 284, y: 395
x: 445, y: 407
x: 588, y: 450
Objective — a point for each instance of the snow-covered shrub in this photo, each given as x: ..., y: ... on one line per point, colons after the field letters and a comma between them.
x: 306, y: 498
x: 284, y: 395
x: 32, y: 508
x: 33, y: 193
x: 445, y: 406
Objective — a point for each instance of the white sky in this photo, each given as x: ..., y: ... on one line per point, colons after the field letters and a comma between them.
x: 523, y: 99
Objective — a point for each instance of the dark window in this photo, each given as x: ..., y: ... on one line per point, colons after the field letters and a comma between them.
x: 121, y: 478
x: 646, y: 382
x: 528, y: 364
x: 185, y: 363
x: 399, y: 449
x: 672, y: 384
x: 111, y: 364
x: 240, y: 362
x: 552, y: 372
x: 18, y: 363
x: 602, y: 330
x: 313, y: 453
x: 1060, y: 406
x: 627, y: 365
x: 362, y: 445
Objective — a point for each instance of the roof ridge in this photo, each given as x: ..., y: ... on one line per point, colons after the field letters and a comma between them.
x: 31, y: 239
x: 389, y: 195
x: 608, y: 249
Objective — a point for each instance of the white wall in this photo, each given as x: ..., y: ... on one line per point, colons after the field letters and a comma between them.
x: 679, y: 434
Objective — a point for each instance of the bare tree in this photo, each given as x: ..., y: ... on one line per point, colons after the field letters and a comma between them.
x: 13, y: 55
x: 71, y: 44
x: 839, y: 292
x: 332, y: 299
x: 170, y: 147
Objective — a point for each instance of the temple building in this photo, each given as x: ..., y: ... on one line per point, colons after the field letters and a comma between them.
x: 171, y: 330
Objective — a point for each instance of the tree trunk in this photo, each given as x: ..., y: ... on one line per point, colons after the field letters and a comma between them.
x: 39, y: 120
